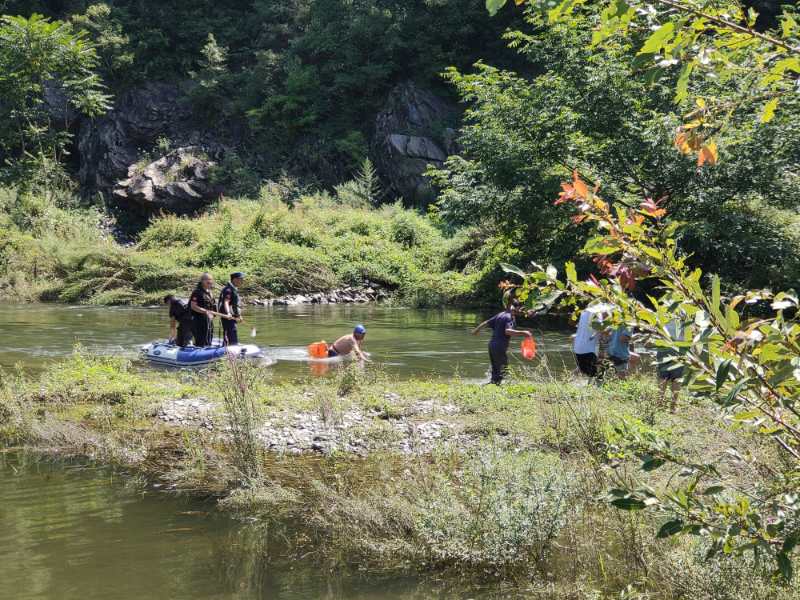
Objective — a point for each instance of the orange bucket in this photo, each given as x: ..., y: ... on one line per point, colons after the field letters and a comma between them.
x: 318, y: 350
x: 528, y: 348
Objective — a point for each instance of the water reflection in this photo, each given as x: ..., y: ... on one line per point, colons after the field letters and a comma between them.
x: 75, y: 531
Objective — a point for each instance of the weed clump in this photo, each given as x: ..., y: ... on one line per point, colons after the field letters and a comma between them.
x: 501, y: 513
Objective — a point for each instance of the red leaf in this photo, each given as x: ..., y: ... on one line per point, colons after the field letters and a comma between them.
x: 650, y: 207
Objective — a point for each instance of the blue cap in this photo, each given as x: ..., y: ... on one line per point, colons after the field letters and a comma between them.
x: 360, y: 329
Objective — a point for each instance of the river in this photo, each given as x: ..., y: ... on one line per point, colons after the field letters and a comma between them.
x: 408, y: 342
x: 74, y: 531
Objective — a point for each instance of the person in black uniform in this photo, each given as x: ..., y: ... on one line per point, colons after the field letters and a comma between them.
x: 229, y: 305
x: 201, y: 303
x: 180, y: 326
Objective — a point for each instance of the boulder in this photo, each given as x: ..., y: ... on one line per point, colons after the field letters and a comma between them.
x: 155, y: 120
x: 177, y: 182
x: 412, y: 131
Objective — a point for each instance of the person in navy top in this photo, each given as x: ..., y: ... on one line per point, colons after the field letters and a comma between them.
x: 504, y: 327
x: 229, y: 305
x: 180, y: 315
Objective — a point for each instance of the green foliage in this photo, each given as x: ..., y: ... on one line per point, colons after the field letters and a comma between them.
x: 577, y: 106
x: 746, y: 365
x: 37, y: 57
x: 315, y: 245
x: 363, y: 190
x: 504, y: 513
x: 110, y: 41
x: 302, y: 80
x: 89, y: 379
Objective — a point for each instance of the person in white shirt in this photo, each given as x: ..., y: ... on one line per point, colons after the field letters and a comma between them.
x: 586, y: 343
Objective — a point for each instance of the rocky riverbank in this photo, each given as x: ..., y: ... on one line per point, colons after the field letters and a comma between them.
x: 498, y: 483
x: 420, y: 428
x: 370, y: 292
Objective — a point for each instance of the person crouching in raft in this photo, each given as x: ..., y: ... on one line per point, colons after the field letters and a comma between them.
x: 351, y: 342
x: 180, y: 321
x: 503, y: 326
x: 229, y: 305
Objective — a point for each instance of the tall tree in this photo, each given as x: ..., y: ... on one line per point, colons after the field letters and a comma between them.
x: 47, y: 72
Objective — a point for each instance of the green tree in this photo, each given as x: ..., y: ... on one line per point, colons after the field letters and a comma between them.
x: 578, y: 107
x: 111, y: 43
x: 211, y: 79
x: 40, y: 58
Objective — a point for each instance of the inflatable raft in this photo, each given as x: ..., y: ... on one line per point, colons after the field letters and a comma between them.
x: 164, y: 353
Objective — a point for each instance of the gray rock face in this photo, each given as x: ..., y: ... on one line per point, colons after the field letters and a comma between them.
x: 411, y: 132
x: 111, y: 150
x: 110, y: 144
x: 177, y: 182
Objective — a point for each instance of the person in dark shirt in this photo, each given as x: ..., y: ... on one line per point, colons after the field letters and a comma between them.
x: 229, y: 305
x: 202, y: 305
x: 180, y: 325
x: 503, y: 326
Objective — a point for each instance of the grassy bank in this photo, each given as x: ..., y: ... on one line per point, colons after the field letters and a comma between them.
x: 501, y: 486
x: 287, y: 243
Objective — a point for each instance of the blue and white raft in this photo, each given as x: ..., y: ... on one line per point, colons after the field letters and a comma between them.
x: 164, y: 353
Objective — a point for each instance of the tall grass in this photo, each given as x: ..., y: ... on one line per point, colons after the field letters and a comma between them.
x: 317, y: 243
x: 236, y: 386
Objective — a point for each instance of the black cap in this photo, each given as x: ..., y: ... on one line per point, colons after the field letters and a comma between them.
x: 237, y: 275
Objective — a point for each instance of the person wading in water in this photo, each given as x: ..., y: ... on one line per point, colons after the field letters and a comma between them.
x: 352, y: 342
x: 229, y: 305
x: 202, y: 306
x: 503, y: 326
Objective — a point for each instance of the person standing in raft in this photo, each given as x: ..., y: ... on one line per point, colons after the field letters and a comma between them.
x: 180, y: 325
x: 229, y: 305
x: 202, y: 305
x: 503, y: 326
x: 351, y: 342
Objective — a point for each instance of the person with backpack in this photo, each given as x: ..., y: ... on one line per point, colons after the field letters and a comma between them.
x: 180, y: 324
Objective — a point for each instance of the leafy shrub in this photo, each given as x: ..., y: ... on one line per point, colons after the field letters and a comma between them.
x: 169, y: 231
x: 409, y: 230
x: 281, y: 268
x: 504, y: 512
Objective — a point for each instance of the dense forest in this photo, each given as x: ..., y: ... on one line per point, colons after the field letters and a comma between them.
x: 125, y: 113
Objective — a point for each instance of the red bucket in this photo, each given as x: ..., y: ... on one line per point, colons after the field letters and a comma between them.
x: 528, y: 348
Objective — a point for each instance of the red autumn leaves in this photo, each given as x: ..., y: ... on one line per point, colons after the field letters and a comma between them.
x: 592, y: 207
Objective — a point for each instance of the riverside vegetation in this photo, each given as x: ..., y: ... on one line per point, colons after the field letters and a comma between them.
x: 286, y: 241
x: 509, y: 494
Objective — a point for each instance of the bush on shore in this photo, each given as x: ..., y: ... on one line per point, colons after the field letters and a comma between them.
x: 317, y: 243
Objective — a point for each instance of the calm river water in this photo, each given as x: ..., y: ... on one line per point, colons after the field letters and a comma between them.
x: 72, y: 531
x: 408, y: 342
